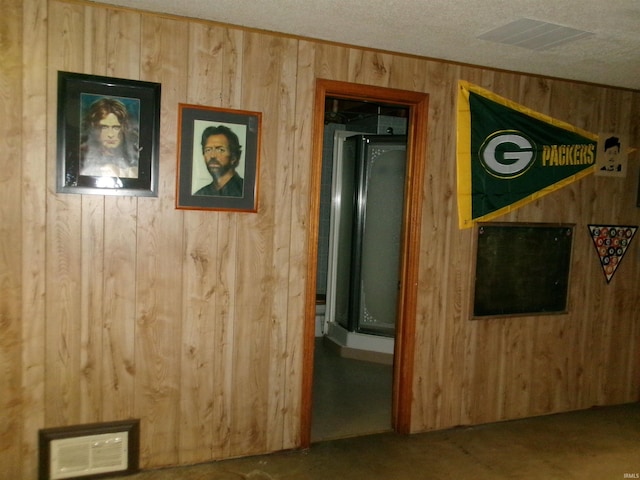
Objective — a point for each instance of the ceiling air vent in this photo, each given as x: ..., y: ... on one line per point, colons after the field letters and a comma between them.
x: 533, y: 34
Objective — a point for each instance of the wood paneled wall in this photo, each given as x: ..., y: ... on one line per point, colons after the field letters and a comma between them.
x: 118, y: 307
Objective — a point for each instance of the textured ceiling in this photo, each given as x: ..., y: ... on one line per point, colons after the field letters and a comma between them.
x: 608, y: 53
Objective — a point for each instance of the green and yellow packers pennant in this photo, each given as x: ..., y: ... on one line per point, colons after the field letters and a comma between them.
x: 508, y: 155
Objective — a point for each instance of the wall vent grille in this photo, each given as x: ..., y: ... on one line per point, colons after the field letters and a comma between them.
x: 534, y: 34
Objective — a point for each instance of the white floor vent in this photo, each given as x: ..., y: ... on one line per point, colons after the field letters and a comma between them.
x: 89, y: 450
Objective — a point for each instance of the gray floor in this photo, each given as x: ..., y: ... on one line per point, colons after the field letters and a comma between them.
x: 595, y: 444
x: 352, y: 440
x: 350, y: 397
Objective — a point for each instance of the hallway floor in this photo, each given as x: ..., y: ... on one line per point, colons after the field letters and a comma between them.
x: 596, y: 444
x: 350, y: 397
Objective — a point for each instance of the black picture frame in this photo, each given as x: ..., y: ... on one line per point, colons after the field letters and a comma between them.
x: 638, y: 197
x: 193, y: 173
x: 522, y: 269
x: 90, y: 163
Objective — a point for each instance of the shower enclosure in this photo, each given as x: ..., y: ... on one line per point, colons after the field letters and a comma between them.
x: 365, y: 239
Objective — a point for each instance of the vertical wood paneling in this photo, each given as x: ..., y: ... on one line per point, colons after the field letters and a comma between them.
x: 193, y: 321
x: 331, y: 62
x: 251, y: 331
x: 35, y: 182
x: 577, y: 102
x: 307, y: 62
x: 121, y: 44
x: 254, y: 312
x: 616, y: 108
x: 159, y: 257
x: 91, y: 310
x: 11, y: 60
x: 407, y: 74
x: 371, y: 68
x: 122, y: 59
x: 454, y: 272
x: 567, y: 102
x: 209, y: 273
x: 285, y: 59
x: 258, y: 402
x: 200, y: 344
x: 430, y: 351
x: 94, y: 365
x: 92, y: 253
x: 64, y: 281
x: 633, y: 346
x: 210, y: 269
x: 207, y: 59
x: 225, y: 263
x: 227, y: 276
x: 118, y: 315
x: 296, y: 411
x: 516, y: 378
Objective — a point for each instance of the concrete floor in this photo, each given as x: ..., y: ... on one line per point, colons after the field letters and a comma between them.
x: 595, y: 444
x: 352, y: 400
x: 350, y: 397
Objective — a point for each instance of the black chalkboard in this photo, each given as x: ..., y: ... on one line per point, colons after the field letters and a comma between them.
x: 522, y: 269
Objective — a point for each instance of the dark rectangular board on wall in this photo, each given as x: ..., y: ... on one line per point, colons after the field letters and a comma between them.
x: 521, y: 269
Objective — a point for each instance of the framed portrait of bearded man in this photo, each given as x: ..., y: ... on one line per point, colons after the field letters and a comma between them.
x: 218, y: 159
x: 108, y: 135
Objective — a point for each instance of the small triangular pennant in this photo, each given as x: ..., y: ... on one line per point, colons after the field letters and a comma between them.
x: 611, y: 243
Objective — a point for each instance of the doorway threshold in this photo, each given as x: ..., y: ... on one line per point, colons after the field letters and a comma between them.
x: 358, y: 346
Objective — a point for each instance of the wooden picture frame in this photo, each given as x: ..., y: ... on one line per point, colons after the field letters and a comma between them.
x: 89, y: 451
x: 108, y: 135
x: 226, y: 176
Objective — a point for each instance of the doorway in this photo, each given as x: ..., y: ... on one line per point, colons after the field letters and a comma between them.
x: 361, y: 210
x: 416, y: 104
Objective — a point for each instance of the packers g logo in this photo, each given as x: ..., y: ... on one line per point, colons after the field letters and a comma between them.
x: 507, y: 153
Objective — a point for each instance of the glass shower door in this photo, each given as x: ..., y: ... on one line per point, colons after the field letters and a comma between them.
x: 379, y: 163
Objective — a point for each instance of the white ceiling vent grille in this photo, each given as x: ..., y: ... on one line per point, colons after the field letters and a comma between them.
x: 533, y: 34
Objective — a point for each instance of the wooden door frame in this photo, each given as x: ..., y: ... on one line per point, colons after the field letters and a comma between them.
x: 417, y: 104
